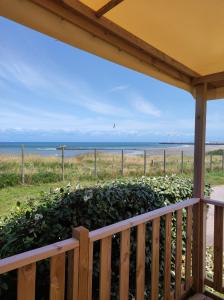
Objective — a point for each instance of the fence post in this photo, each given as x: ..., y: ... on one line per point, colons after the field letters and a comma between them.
x: 122, y: 162
x: 82, y: 234
x: 164, y: 162
x: 222, y: 160
x: 22, y: 165
x: 210, y: 162
x: 182, y: 162
x: 144, y: 162
x: 95, y: 172
x: 62, y: 162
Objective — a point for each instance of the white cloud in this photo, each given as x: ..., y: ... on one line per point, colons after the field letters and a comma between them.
x: 22, y: 73
x: 144, y: 106
x: 119, y: 88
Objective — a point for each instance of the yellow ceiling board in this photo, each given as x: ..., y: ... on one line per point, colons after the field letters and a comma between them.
x: 95, y: 4
x: 189, y: 31
x: 52, y: 25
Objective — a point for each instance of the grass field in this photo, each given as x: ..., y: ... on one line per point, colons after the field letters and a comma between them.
x: 45, y: 173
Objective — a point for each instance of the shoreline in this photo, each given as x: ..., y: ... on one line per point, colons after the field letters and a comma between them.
x: 75, y: 152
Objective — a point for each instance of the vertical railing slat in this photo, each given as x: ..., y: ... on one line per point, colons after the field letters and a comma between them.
x: 105, y: 268
x: 57, y: 277
x: 73, y: 273
x: 26, y: 282
x: 188, y: 255
x: 90, y: 270
x: 167, y: 269
x: 124, y: 264
x: 218, y: 248
x: 155, y: 259
x: 140, y: 262
x: 178, y: 258
x: 82, y: 234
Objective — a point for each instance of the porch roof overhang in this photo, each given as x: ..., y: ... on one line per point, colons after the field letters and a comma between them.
x: 177, y: 42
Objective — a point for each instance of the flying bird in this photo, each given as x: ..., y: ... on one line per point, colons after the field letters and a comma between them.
x: 114, y: 126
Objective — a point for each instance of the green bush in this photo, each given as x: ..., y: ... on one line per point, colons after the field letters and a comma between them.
x: 42, y: 177
x: 9, y: 179
x: 12, y: 179
x: 52, y: 217
x: 216, y: 152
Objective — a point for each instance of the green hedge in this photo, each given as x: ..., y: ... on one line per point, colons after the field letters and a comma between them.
x: 51, y: 218
x: 12, y: 179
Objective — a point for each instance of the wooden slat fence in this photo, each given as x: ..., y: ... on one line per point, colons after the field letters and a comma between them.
x: 218, y: 272
x: 76, y: 257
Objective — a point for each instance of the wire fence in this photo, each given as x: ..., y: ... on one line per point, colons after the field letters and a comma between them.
x: 103, y: 163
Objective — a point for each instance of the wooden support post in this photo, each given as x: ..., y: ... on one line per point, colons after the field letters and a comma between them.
x: 199, y: 211
x: 218, y: 247
x: 122, y: 162
x: 95, y: 172
x: 182, y: 162
x: 210, y: 162
x: 82, y: 234
x: 22, y: 165
x: 62, y: 163
x: 222, y: 160
x: 145, y: 157
x: 164, y: 162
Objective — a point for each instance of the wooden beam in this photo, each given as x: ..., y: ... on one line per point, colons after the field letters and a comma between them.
x: 199, y: 144
x: 211, y: 78
x: 82, y: 16
x: 107, y: 7
x: 199, y: 214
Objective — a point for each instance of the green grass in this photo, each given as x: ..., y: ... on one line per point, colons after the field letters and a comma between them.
x: 215, y: 178
x: 9, y: 196
x: 44, y: 173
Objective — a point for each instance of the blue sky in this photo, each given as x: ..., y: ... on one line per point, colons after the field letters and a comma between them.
x: 50, y: 91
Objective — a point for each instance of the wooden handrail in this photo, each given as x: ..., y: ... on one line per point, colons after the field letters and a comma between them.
x: 101, y: 233
x: 81, y: 260
x: 213, y: 202
x: 32, y: 256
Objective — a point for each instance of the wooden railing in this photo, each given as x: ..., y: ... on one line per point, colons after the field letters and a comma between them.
x: 218, y: 272
x: 77, y: 254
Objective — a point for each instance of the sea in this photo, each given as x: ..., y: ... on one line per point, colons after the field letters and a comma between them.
x: 77, y: 148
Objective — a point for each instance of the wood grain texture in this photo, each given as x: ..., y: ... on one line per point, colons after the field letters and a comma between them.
x: 90, y: 280
x: 178, y: 258
x: 107, y: 7
x: 29, y: 257
x: 124, y: 264
x: 155, y: 259
x: 143, y: 218
x: 140, y: 262
x: 218, y: 248
x: 73, y: 273
x: 26, y: 282
x: 167, y: 269
x: 188, y: 254
x: 105, y: 268
x: 199, y: 215
x: 82, y: 234
x: 57, y: 277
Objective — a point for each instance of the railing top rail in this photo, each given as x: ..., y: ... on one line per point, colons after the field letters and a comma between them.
x: 28, y: 257
x: 140, y: 219
x: 214, y: 202
x: 32, y: 256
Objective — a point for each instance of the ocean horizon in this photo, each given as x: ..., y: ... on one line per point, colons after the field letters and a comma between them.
x: 51, y: 148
